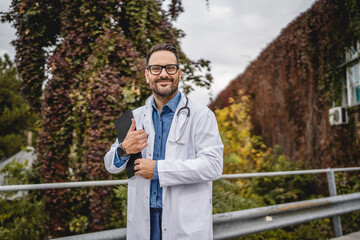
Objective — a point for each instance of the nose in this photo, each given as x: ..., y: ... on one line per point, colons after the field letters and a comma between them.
x: 163, y: 73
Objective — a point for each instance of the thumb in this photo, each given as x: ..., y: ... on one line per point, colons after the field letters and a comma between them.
x: 133, y: 125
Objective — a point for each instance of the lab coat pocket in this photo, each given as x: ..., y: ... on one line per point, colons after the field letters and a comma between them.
x: 194, y: 208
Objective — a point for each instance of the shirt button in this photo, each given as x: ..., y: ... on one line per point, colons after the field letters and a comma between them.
x: 154, y: 192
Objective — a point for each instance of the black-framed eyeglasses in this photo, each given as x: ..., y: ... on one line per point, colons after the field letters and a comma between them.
x: 171, y: 69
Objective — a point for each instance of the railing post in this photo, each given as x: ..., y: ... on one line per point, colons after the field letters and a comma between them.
x: 332, y: 192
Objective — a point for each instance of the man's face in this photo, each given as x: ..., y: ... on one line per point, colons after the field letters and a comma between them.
x: 163, y: 85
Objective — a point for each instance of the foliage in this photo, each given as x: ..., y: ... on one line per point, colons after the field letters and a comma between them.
x: 79, y: 224
x: 232, y: 196
x: 282, y: 189
x: 119, y: 211
x: 22, y: 218
x: 296, y: 79
x: 349, y: 182
x: 89, y: 55
x: 15, y: 116
x: 244, y: 153
x: 22, y: 215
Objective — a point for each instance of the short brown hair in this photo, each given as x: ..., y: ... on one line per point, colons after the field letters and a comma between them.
x: 162, y: 46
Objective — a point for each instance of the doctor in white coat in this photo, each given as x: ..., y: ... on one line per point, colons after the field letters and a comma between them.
x: 193, y: 158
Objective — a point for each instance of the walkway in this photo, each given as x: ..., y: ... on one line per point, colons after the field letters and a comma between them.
x: 351, y: 236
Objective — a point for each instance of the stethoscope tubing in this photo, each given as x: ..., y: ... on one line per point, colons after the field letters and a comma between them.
x: 185, y: 108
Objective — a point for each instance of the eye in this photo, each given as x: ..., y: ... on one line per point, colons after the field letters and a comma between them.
x: 155, y: 68
x: 171, y: 68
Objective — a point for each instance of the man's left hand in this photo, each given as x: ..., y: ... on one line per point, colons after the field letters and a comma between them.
x: 145, y: 168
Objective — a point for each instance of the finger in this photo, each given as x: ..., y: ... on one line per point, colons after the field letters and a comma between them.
x: 136, y: 135
x: 137, y: 161
x: 133, y: 125
x: 144, y: 145
x: 139, y: 131
x: 142, y: 141
x: 143, y: 135
x: 140, y: 146
x: 138, y: 173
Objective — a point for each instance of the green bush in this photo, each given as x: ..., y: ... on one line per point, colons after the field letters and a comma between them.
x: 349, y: 182
x: 22, y: 215
x: 22, y: 218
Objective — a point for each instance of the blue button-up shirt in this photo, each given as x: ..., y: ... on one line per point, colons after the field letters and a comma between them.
x: 162, y: 123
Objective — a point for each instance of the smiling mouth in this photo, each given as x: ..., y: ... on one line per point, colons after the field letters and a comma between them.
x: 164, y: 82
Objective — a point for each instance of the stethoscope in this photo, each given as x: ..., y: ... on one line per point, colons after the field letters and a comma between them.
x: 187, y: 109
x: 184, y: 108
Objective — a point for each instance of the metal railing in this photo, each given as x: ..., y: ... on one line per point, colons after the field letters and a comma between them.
x: 240, y: 223
x: 44, y: 186
x: 330, y: 179
x: 249, y: 221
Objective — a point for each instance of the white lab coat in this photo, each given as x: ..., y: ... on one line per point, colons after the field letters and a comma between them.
x: 186, y: 175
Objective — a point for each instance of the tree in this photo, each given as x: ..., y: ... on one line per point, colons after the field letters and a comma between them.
x: 91, y: 56
x: 15, y: 115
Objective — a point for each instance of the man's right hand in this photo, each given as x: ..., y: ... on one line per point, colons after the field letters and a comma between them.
x: 135, y: 140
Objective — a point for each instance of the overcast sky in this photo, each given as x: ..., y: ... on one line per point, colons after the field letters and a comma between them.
x: 229, y: 33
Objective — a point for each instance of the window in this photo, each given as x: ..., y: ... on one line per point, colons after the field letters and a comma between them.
x: 351, y: 84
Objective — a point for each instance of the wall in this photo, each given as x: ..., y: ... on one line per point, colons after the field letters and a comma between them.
x: 294, y: 82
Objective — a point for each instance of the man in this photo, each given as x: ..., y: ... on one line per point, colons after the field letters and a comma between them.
x: 170, y: 196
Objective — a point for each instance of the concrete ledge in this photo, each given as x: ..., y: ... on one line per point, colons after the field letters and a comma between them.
x: 351, y: 236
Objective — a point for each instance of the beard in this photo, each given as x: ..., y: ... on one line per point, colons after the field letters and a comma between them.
x: 165, y: 93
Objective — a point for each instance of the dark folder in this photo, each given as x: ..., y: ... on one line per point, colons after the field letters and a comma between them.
x: 122, y: 126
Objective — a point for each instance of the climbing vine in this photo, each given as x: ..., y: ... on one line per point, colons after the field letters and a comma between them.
x: 294, y: 82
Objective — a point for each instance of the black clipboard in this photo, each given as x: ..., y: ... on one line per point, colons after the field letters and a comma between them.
x: 122, y: 126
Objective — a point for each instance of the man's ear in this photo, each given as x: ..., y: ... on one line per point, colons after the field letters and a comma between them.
x: 147, y: 76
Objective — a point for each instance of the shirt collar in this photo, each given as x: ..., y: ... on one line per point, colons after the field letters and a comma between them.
x: 172, y: 104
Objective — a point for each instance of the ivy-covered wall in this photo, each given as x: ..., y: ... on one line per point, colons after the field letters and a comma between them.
x: 295, y: 80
